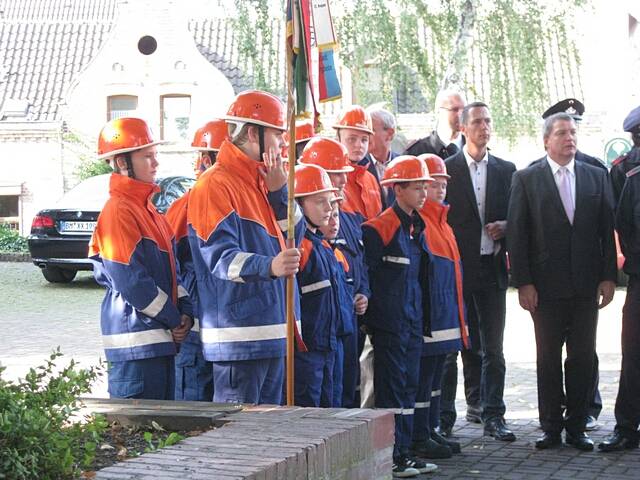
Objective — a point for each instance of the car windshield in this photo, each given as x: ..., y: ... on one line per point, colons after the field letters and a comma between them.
x: 90, y: 194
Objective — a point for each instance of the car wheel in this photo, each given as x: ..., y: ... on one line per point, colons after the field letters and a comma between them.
x: 58, y: 275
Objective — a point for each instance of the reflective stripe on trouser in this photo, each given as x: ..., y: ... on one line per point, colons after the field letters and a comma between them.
x: 313, y: 379
x: 396, y: 364
x: 249, y: 381
x: 427, y: 416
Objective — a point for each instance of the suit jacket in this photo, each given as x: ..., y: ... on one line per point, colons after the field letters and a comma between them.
x: 561, y: 260
x: 432, y: 144
x: 464, y: 216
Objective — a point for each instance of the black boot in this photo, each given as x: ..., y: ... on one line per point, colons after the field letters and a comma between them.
x: 431, y: 449
x: 454, y: 446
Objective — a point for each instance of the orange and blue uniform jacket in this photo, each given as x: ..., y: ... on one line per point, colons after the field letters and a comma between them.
x: 349, y: 242
x: 321, y: 283
x: 394, y: 252
x: 235, y: 230
x: 177, y: 218
x: 362, y: 193
x: 133, y: 255
x: 444, y: 305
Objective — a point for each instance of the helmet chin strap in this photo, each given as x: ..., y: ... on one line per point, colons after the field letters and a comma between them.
x: 130, y: 173
x: 311, y: 223
x: 261, y: 141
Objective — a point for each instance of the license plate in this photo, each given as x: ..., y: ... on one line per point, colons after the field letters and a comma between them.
x: 79, y: 227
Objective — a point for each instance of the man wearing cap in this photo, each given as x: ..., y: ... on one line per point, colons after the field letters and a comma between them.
x: 627, y: 410
x: 362, y: 191
x: 575, y: 109
x: 146, y: 311
x: 194, y: 375
x: 629, y: 160
x: 236, y: 216
x: 446, y: 139
x: 380, y: 154
x: 478, y: 195
x: 563, y: 262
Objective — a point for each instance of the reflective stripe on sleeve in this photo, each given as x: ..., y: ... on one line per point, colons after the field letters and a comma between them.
x: 312, y: 287
x: 235, y: 267
x: 154, y: 308
x: 297, y: 216
x: 137, y: 339
x: 392, y: 259
x: 182, y: 292
x: 245, y: 334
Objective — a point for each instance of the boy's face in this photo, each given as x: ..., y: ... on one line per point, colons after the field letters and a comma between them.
x: 330, y: 231
x: 317, y: 208
x: 338, y: 180
x: 437, y: 190
x: 411, y: 195
x: 356, y: 141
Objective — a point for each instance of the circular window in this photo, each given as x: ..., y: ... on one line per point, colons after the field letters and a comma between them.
x: 147, y: 45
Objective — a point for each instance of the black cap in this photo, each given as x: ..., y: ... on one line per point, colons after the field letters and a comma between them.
x: 632, y: 122
x: 571, y: 106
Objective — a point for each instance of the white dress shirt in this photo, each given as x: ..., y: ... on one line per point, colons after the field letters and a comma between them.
x: 571, y: 169
x: 478, y: 173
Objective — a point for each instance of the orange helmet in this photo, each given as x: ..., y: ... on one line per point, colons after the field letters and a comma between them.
x: 258, y: 108
x: 305, y: 131
x: 328, y: 154
x: 356, y: 118
x: 435, y: 165
x: 405, y: 168
x: 210, y: 136
x: 123, y: 135
x: 312, y: 179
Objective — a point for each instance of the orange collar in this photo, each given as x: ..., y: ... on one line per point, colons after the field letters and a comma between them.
x: 435, y: 211
x: 139, y: 192
x: 239, y: 164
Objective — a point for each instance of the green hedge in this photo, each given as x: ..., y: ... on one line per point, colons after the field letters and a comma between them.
x: 11, y: 241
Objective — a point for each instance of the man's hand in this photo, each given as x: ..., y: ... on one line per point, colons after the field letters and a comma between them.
x: 606, y: 289
x: 497, y: 229
x: 273, y: 171
x: 286, y: 263
x: 180, y: 333
x: 360, y: 302
x: 528, y: 297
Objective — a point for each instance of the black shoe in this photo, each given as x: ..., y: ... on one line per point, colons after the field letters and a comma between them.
x: 402, y: 468
x: 548, y: 440
x: 579, y: 440
x: 422, y: 467
x: 454, y: 446
x: 474, y: 414
x: 617, y: 442
x: 591, y: 424
x: 445, y: 429
x: 498, y: 430
x: 430, y: 449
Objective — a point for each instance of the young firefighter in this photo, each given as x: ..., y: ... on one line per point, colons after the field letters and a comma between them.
x: 320, y: 283
x: 444, y: 313
x: 145, y: 311
x: 236, y: 214
x: 395, y: 248
x: 334, y: 158
x: 194, y: 375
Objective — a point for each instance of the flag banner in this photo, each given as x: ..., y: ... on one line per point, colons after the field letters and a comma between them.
x: 323, y: 25
x: 328, y: 84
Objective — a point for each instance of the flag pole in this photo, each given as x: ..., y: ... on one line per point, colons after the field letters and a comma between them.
x: 290, y: 220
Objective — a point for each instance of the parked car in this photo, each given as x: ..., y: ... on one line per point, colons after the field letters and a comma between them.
x: 59, y: 239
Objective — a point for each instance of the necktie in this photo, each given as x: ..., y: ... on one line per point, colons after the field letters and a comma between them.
x: 564, y: 187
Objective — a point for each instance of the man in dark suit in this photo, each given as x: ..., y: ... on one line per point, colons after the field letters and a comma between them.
x: 446, y: 139
x: 478, y: 195
x: 563, y: 262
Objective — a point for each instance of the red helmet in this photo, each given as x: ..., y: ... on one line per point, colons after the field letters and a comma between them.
x: 258, y: 108
x: 435, y: 165
x: 405, y: 168
x: 356, y: 118
x: 328, y: 154
x: 312, y: 179
x: 123, y: 135
x: 305, y: 131
x: 210, y: 136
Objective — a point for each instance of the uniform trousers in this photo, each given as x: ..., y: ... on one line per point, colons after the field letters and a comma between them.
x: 148, y: 378
x: 249, y: 381
x: 194, y: 375
x: 427, y: 413
x: 313, y: 378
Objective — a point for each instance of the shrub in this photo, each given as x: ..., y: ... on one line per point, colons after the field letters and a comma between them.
x: 11, y: 241
x: 37, y: 437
